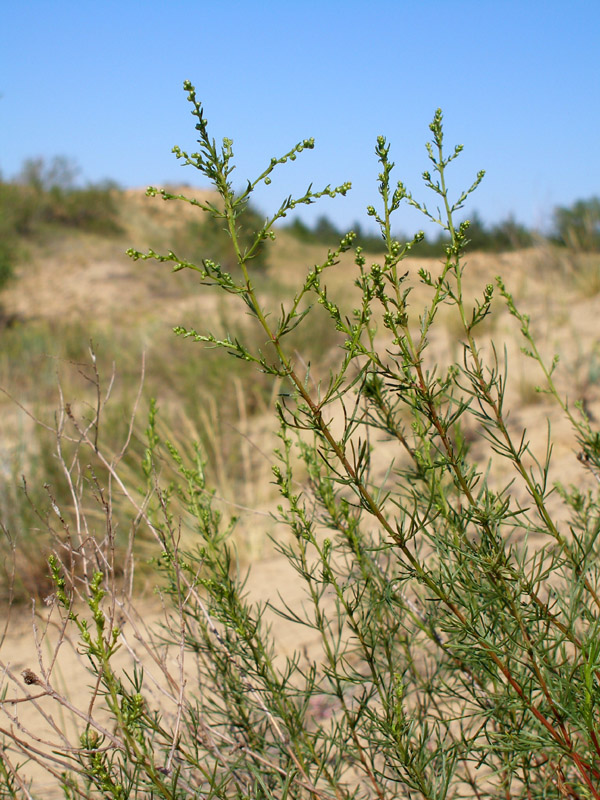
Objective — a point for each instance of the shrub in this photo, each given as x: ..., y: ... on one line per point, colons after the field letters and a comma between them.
x: 506, y: 235
x: 456, y: 615
x: 8, y: 249
x: 578, y: 226
x: 44, y: 196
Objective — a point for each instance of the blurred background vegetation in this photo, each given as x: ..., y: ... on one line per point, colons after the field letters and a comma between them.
x: 46, y: 206
x: 576, y: 227
x: 45, y: 198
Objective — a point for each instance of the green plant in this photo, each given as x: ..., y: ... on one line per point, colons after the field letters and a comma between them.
x: 506, y: 235
x: 45, y: 197
x: 457, y: 625
x: 33, y: 354
x: 578, y: 225
x: 210, y: 239
x: 325, y: 232
x: 9, y: 240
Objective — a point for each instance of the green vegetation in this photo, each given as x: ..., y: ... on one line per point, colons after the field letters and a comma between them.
x: 326, y: 233
x: 209, y: 239
x: 45, y: 196
x: 452, y: 602
x: 186, y: 404
x: 44, y: 199
x: 507, y: 235
x: 578, y: 226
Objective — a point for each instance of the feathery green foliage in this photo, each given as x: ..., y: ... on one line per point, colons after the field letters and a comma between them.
x: 456, y: 615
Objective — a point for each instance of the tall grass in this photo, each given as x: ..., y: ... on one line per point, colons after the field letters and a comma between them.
x: 44, y: 365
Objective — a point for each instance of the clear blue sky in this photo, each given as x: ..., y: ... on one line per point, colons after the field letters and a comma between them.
x: 519, y: 84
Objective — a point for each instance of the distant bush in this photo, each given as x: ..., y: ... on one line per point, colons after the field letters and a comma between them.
x: 44, y: 195
x: 327, y: 233
x: 91, y: 208
x: 506, y: 235
x: 578, y: 226
x: 6, y: 263
x: 8, y: 243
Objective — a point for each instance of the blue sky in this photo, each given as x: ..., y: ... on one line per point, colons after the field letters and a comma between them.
x: 519, y: 84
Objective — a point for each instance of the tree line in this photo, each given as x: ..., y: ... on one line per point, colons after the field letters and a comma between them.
x: 576, y: 227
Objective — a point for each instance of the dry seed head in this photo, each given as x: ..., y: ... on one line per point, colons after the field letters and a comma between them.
x: 30, y: 678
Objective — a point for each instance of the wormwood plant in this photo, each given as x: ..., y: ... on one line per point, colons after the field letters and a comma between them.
x: 458, y: 651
